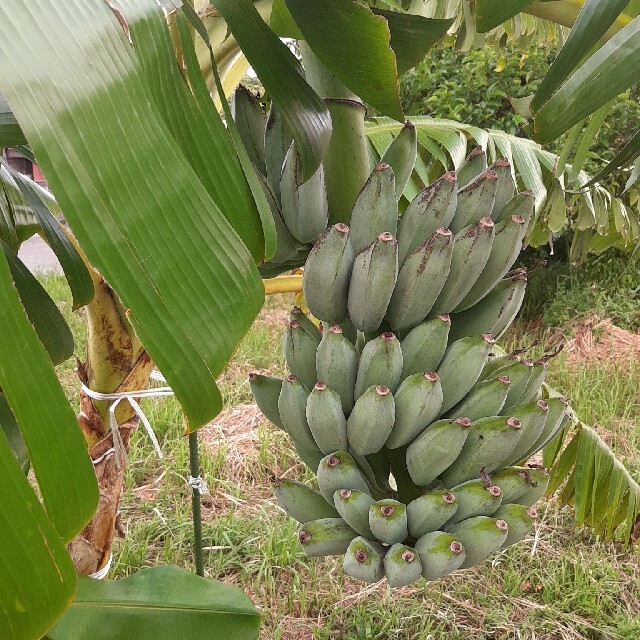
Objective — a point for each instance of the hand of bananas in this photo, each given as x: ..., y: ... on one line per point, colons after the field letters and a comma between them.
x: 418, y: 433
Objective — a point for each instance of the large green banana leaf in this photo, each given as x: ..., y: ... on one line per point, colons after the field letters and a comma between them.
x: 161, y: 603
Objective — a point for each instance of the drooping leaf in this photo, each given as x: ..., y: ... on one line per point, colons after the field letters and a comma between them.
x: 280, y: 73
x: 10, y: 133
x: 138, y: 210
x: 490, y: 14
x: 12, y: 433
x: 282, y: 21
x: 161, y: 603
x: 622, y: 159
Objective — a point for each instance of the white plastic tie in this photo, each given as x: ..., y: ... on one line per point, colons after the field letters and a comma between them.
x: 101, y: 574
x: 130, y: 397
x: 198, y: 484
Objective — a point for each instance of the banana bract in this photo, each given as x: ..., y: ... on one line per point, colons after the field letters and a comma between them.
x: 418, y: 429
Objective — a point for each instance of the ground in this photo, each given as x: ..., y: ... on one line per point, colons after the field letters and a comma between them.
x: 560, y: 583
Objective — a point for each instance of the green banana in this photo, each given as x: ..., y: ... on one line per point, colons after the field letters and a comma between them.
x: 554, y: 422
x: 420, y: 281
x: 505, y: 185
x: 425, y: 345
x: 353, y: 507
x: 325, y: 537
x: 430, y: 511
x: 475, y: 201
x: 495, y: 312
x: 538, y: 374
x: 481, y: 536
x: 292, y: 406
x: 340, y: 471
x: 303, y: 204
x: 533, y: 416
x: 337, y: 365
x: 474, y: 165
x: 311, y: 457
x: 327, y: 274
x: 457, y: 381
x: 539, y: 481
x: 495, y: 366
x: 298, y: 315
x: 300, y: 353
x: 402, y: 565
x: 490, y: 442
x: 417, y: 404
x: 435, y: 449
x: 266, y: 391
x: 401, y: 156
x: 363, y: 560
x: 250, y: 121
x: 371, y: 420
x: 513, y: 482
x: 433, y: 208
x: 388, y: 521
x: 440, y: 554
x: 374, y: 275
x: 485, y: 399
x: 470, y: 254
x: 277, y: 140
x: 505, y: 250
x: 301, y: 502
x: 326, y: 419
x: 380, y: 364
x: 519, y: 372
x: 475, y: 498
x: 522, y: 204
x: 375, y: 210
x: 380, y: 468
x: 520, y: 520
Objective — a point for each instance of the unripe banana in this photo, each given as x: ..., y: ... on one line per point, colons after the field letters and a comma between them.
x: 353, y: 507
x: 505, y: 185
x: 475, y: 201
x: 457, y: 380
x: 326, y: 419
x: 505, y: 250
x: 298, y: 315
x: 424, y: 346
x: 250, y: 121
x: 433, y: 208
x: 475, y: 498
x: 363, y: 560
x: 337, y: 365
x: 495, y: 312
x: 375, y: 210
x: 485, y: 399
x: 474, y: 165
x: 539, y: 481
x: 430, y: 511
x: 495, y: 366
x: 374, y: 275
x: 301, y: 502
x: 520, y: 520
x: 292, y: 406
x: 481, y: 536
x: 522, y: 204
x: 513, y: 482
x: 388, y: 521
x: 435, y: 449
x: 311, y: 457
x: 277, y: 140
x: 420, y: 281
x: 519, y: 372
x: 488, y: 445
x: 327, y: 274
x: 380, y: 467
x: 401, y: 155
x: 417, y: 404
x: 325, y: 537
x: 538, y: 374
x: 532, y: 416
x: 303, y: 204
x: 402, y: 565
x: 440, y: 554
x: 266, y: 391
x: 380, y: 364
x: 470, y: 254
x: 371, y: 420
x: 555, y: 418
x: 300, y: 353
x: 339, y: 471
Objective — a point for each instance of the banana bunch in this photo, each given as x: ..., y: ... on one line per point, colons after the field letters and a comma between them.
x: 418, y: 431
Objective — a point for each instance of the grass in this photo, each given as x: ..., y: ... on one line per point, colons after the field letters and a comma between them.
x: 560, y: 583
